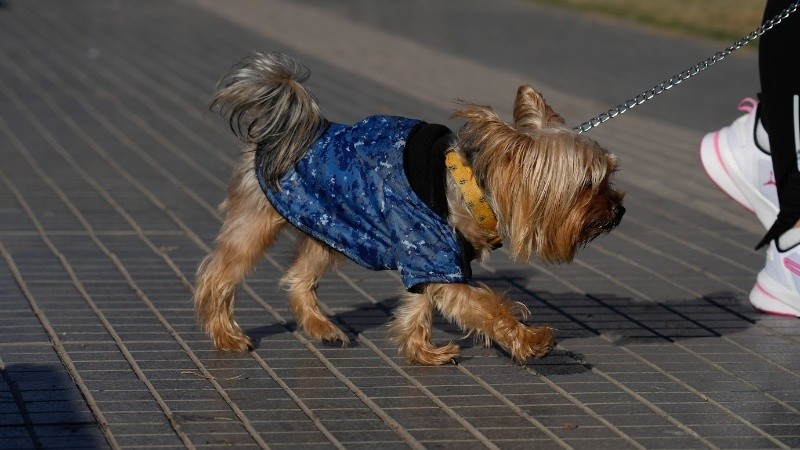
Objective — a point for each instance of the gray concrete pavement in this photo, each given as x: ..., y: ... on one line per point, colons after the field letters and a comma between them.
x: 111, y: 169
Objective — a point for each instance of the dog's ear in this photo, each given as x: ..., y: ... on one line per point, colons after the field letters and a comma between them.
x: 531, y: 111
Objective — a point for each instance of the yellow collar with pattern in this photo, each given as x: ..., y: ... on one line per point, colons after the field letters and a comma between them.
x: 473, y: 195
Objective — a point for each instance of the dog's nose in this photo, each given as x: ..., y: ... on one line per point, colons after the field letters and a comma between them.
x: 619, y: 211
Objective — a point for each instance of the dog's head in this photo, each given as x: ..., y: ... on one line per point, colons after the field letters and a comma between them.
x: 550, y: 187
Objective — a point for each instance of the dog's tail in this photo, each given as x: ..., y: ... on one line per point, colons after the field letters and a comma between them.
x: 263, y: 99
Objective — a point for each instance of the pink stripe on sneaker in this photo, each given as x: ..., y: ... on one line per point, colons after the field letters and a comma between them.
x: 793, y: 266
x: 774, y: 313
x: 764, y: 291
x: 718, y: 154
x: 747, y: 104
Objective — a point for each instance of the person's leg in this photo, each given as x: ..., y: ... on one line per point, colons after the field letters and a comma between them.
x: 780, y: 94
x: 777, y: 289
x: 760, y: 169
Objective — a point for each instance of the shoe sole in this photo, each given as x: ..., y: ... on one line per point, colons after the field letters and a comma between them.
x: 728, y: 178
x: 767, y: 294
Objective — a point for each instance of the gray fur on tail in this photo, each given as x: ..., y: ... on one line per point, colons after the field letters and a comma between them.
x: 266, y: 104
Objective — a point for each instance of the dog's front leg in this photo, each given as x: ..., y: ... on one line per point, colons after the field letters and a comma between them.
x: 493, y: 316
x: 411, y: 331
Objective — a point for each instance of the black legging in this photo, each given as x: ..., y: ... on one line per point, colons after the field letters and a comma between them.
x: 779, y: 69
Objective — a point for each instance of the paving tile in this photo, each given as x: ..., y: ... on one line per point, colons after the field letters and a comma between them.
x: 105, y: 137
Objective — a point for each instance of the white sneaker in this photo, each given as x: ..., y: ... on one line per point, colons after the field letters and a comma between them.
x: 777, y: 290
x: 737, y: 159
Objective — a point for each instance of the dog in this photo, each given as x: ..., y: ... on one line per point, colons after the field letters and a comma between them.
x: 397, y: 193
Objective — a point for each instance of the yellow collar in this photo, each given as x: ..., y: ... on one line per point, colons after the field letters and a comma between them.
x: 473, y: 195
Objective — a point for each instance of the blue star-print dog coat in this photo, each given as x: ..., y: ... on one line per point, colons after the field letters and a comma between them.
x: 351, y: 191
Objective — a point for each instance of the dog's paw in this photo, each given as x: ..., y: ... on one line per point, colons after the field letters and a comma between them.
x: 429, y: 355
x: 322, y: 329
x: 532, y: 342
x: 232, y: 342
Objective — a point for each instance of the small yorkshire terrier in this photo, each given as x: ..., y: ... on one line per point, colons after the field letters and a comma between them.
x: 397, y: 193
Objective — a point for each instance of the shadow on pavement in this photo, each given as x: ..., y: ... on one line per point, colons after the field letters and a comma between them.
x: 42, y: 408
x: 621, y: 321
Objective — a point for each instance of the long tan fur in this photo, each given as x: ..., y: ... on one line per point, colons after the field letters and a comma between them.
x: 250, y: 227
x: 267, y: 106
x: 478, y: 311
x: 549, y: 188
x: 542, y: 178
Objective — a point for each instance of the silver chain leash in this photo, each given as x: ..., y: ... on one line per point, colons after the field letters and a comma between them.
x: 686, y: 74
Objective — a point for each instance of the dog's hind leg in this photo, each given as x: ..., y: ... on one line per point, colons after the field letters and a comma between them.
x: 493, y: 316
x: 251, y: 226
x: 411, y: 331
x: 312, y: 260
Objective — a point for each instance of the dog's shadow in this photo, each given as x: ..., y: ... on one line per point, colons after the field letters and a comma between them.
x: 624, y: 321
x: 362, y: 318
x: 357, y: 319
x: 618, y: 321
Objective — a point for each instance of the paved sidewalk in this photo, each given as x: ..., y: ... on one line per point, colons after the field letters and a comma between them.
x: 111, y: 169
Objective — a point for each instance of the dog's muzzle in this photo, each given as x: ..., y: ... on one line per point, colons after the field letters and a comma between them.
x: 619, y: 211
